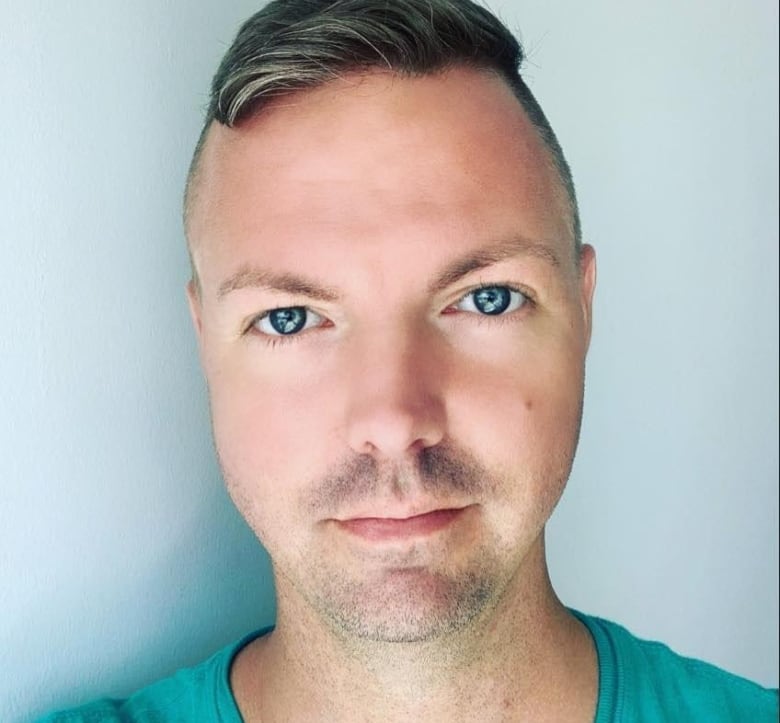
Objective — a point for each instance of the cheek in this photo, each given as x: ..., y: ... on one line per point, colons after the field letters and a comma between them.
x: 521, y: 413
x: 268, y: 451
x: 523, y: 422
x: 261, y: 427
x: 271, y: 430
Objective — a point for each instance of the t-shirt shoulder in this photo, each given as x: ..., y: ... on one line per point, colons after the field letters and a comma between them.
x: 198, y: 693
x: 651, y: 682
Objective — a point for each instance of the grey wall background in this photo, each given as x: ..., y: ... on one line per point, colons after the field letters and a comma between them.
x: 120, y: 555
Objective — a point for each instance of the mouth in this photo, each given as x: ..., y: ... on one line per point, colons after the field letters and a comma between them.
x: 391, y: 528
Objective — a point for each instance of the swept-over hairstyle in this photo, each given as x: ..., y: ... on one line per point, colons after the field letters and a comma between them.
x: 291, y: 45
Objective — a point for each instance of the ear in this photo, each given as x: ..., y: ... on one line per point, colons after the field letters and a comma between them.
x: 193, y: 299
x: 587, y: 287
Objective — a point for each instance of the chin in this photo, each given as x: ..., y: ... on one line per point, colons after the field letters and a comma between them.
x: 406, y: 606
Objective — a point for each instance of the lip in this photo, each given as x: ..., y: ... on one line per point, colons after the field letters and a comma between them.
x: 391, y: 528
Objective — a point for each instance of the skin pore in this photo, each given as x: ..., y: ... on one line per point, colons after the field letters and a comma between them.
x: 393, y: 327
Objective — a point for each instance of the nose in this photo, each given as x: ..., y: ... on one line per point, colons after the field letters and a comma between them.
x: 396, y: 403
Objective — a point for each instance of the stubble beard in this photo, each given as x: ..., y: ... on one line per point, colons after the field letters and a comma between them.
x: 404, y: 605
x: 403, y: 599
x: 414, y: 596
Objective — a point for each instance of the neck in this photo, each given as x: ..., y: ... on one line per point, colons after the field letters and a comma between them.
x: 524, y: 657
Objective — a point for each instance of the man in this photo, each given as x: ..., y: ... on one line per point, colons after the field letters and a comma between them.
x: 393, y: 305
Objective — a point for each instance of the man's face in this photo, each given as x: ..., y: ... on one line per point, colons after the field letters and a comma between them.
x: 393, y: 327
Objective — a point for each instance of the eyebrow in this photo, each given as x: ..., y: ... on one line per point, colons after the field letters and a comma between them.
x: 489, y: 255
x: 290, y: 283
x: 248, y: 277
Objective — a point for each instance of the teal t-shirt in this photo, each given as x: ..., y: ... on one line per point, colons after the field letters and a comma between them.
x: 639, y: 682
x: 645, y: 681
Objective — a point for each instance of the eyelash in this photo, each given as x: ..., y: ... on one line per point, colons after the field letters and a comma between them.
x: 273, y: 340
x: 529, y: 301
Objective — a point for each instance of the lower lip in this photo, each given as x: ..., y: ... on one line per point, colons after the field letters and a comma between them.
x: 384, y: 528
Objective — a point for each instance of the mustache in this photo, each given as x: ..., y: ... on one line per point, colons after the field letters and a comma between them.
x: 442, y: 471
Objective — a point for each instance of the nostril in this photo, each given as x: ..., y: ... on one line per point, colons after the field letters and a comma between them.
x: 386, y: 429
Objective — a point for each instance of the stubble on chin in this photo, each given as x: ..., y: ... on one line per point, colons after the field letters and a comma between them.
x: 404, y: 605
x: 410, y: 596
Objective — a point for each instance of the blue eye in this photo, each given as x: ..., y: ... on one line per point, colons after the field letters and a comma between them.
x: 287, y: 321
x: 492, y: 300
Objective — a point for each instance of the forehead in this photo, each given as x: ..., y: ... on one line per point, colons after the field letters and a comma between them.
x: 376, y: 153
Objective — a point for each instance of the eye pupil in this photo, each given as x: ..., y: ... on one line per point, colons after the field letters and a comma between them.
x: 492, y: 299
x: 288, y: 321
